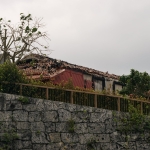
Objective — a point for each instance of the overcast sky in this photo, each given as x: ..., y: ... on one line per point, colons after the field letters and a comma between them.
x: 106, y: 35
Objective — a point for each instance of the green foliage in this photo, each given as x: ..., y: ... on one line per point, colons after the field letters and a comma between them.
x: 10, y: 73
x: 34, y: 30
x: 90, y: 144
x: 133, y: 121
x: 71, y: 124
x: 136, y: 83
x: 7, y: 139
x: 24, y: 100
x: 38, y: 133
x: 69, y: 84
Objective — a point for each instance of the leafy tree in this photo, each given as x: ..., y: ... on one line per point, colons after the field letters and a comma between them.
x: 21, y: 39
x: 136, y: 83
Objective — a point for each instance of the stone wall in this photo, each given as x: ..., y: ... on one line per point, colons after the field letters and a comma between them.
x: 36, y: 124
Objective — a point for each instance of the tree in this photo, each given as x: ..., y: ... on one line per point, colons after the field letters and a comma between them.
x: 136, y: 83
x: 23, y: 39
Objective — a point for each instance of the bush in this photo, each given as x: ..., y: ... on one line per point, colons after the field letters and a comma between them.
x: 11, y: 74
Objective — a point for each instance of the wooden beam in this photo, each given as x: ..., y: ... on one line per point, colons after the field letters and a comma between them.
x: 141, y: 107
x: 20, y: 89
x: 47, y: 93
x: 118, y: 103
x: 95, y: 100
x: 71, y: 97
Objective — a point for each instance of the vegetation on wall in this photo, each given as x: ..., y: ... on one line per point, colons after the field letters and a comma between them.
x: 8, y: 138
x: 131, y: 123
x: 70, y: 125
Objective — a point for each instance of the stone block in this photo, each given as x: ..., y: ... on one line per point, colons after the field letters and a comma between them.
x: 69, y: 138
x: 14, y: 105
x: 39, y: 138
x: 23, y: 125
x: 40, y: 105
x: 39, y: 147
x: 101, y: 146
x: 3, y: 126
x: 127, y: 145
x: 5, y: 116
x: 81, y: 128
x: 55, y: 146
x: 23, y: 145
x: 84, y: 138
x: 100, y: 117
x: 70, y: 107
x: 109, y: 126
x: 49, y: 105
x: 50, y: 127
x: 35, y: 116
x: 25, y: 135
x: 101, y: 138
x: 117, y: 136
x: 80, y: 116
x: 96, y: 128
x: 142, y: 145
x: 64, y: 115
x: 20, y: 115
x: 55, y: 137
x: 73, y: 146
x: 83, y: 108
x: 9, y: 97
x: 30, y: 107
x: 61, y: 127
x: 37, y: 126
x: 50, y: 116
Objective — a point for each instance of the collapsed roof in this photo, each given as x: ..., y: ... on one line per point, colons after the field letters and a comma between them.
x: 37, y: 65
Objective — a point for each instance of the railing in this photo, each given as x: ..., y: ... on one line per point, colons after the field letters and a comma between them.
x: 92, y: 99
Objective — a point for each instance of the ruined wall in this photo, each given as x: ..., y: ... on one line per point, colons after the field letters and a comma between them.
x: 36, y: 124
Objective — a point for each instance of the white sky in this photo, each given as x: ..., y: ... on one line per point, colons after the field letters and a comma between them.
x: 106, y: 35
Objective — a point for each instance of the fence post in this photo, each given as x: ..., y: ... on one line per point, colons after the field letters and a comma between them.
x: 141, y: 107
x: 95, y: 100
x: 47, y: 93
x: 118, y: 103
x: 71, y: 97
x: 20, y: 89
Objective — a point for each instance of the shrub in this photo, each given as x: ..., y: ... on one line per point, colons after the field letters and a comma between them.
x: 11, y: 74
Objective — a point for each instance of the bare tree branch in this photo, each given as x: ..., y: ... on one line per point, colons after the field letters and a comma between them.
x: 16, y: 41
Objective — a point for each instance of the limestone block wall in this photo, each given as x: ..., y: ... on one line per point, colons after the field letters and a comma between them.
x: 38, y: 124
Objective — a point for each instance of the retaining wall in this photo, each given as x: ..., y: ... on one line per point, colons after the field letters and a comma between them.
x: 50, y: 125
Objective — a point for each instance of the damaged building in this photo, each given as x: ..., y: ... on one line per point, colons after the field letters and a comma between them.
x: 48, y: 69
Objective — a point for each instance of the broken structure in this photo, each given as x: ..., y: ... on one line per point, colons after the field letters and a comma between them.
x: 48, y: 69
